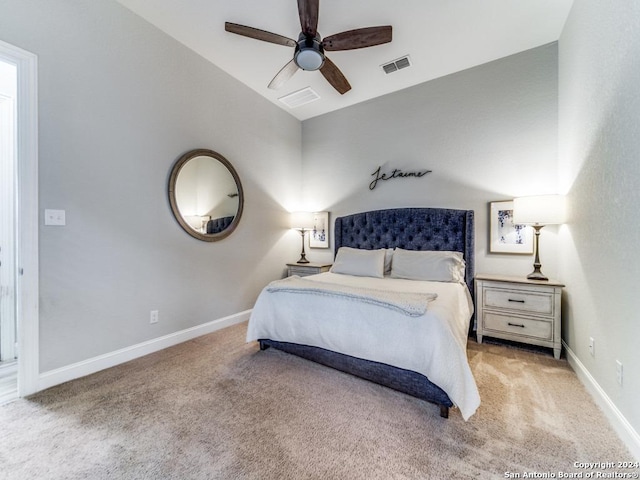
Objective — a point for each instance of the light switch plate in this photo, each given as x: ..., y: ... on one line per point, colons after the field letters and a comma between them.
x: 54, y: 217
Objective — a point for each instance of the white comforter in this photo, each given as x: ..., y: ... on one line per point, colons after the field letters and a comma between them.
x: 433, y: 344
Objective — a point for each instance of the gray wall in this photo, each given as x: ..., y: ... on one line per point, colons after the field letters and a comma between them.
x: 119, y: 102
x: 488, y: 133
x: 599, y: 79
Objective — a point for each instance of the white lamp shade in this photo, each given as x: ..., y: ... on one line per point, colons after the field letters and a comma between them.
x: 539, y: 209
x: 300, y: 220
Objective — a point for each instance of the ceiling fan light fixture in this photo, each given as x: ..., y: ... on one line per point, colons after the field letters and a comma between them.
x: 309, y: 59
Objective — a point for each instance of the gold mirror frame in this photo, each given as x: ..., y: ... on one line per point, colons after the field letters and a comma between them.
x: 173, y: 179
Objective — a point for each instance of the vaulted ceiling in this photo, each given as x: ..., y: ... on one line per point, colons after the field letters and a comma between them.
x: 440, y: 37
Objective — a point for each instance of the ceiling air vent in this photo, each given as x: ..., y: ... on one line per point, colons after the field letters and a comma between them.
x: 397, y: 64
x: 299, y: 98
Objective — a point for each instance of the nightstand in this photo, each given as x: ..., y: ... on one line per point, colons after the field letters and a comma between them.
x: 520, y: 310
x: 304, y: 269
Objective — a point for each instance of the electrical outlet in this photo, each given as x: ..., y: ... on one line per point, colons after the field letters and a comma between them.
x: 592, y: 346
x: 153, y: 317
x: 619, y: 372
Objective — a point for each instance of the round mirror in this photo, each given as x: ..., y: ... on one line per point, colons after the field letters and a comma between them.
x: 205, y: 195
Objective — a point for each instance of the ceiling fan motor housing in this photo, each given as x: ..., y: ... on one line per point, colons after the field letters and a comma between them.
x: 309, y: 54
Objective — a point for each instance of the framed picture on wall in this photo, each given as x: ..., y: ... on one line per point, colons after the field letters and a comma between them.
x: 319, y: 235
x: 504, y: 235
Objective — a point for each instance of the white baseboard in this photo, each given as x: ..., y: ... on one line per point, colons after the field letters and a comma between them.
x: 95, y: 364
x: 619, y: 423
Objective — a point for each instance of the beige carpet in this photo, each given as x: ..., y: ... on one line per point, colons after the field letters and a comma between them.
x: 217, y: 408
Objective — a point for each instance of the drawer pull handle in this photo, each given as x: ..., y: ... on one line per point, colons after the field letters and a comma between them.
x: 515, y: 324
x: 516, y: 301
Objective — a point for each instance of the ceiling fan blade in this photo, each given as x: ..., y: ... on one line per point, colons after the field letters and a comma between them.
x: 358, y: 38
x: 259, y: 34
x: 308, y: 12
x: 335, y: 77
x: 283, y: 75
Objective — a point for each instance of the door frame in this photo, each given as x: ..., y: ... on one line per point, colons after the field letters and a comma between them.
x: 27, y: 281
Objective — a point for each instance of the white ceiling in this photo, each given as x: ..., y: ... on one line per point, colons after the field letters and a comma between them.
x: 440, y: 36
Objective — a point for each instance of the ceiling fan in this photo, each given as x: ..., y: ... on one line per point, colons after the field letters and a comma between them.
x: 310, y: 47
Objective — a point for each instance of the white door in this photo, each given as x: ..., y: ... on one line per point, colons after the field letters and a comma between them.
x: 8, y: 329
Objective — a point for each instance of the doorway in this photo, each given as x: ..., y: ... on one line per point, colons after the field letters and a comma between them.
x: 18, y: 223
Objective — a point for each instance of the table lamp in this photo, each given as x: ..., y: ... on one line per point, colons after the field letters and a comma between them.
x: 538, y: 211
x: 303, y: 222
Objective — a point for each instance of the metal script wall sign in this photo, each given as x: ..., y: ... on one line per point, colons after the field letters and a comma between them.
x: 396, y: 173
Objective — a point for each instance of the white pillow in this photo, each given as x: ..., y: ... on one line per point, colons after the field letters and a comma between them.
x: 436, y: 266
x: 362, y: 263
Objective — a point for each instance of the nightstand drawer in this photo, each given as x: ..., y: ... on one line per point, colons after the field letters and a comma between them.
x: 517, y: 325
x: 304, y: 269
x: 519, y: 300
x: 302, y: 272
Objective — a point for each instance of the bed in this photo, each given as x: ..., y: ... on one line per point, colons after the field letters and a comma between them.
x: 404, y: 333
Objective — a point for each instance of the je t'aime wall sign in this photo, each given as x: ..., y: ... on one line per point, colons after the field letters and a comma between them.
x: 395, y: 173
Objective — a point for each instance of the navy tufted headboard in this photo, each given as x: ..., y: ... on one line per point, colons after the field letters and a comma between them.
x: 410, y: 229
x: 216, y: 225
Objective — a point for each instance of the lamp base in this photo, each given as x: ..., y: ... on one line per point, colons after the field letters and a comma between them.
x: 537, y: 275
x: 303, y: 256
